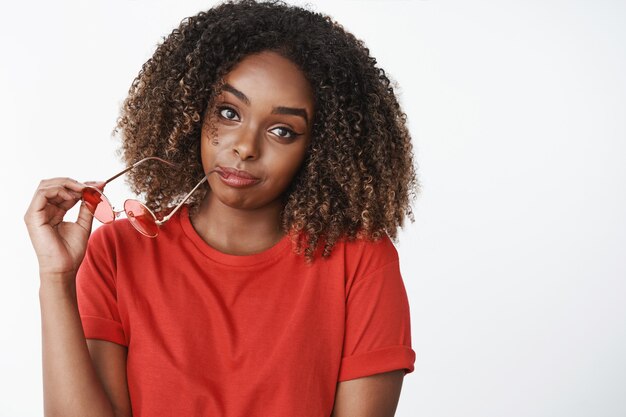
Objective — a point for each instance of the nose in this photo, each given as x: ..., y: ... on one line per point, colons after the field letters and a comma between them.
x: 246, y: 144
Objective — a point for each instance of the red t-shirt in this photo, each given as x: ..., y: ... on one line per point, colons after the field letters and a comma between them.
x: 212, y: 334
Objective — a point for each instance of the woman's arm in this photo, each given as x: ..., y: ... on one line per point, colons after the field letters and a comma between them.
x: 371, y: 396
x: 109, y: 360
x: 71, y: 382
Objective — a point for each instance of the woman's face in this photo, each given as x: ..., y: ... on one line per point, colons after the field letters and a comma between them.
x: 262, y: 125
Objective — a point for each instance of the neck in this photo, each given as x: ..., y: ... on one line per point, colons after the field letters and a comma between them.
x: 237, y: 231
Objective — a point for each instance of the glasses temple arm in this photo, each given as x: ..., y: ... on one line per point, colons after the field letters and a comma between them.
x: 166, y: 218
x: 137, y: 164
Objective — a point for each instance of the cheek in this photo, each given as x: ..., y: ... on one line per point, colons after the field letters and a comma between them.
x: 208, y: 153
x: 217, y: 138
x: 292, y: 163
x: 209, y: 141
x: 209, y: 133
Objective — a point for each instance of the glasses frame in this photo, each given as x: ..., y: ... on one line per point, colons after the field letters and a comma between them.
x: 117, y: 213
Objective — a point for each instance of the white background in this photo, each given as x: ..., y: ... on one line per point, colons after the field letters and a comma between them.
x: 515, y: 267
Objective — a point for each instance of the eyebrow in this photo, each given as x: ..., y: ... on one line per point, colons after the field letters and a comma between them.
x: 276, y: 110
x: 292, y: 111
x: 241, y: 96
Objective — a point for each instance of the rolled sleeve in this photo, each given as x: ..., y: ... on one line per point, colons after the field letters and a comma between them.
x: 96, y: 291
x: 378, y: 328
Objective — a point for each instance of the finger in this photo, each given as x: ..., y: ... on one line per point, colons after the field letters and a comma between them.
x: 98, y: 184
x: 47, y: 194
x: 58, y: 212
x: 68, y: 203
x: 85, y: 218
x: 64, y: 181
x: 64, y: 196
x: 44, y: 196
x: 65, y: 200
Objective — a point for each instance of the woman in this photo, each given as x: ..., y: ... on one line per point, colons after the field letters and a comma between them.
x: 273, y: 288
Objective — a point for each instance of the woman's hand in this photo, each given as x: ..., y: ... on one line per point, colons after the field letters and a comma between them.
x: 60, y: 245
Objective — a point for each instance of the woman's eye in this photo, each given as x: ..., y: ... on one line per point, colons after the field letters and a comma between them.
x: 283, y: 132
x: 227, y: 113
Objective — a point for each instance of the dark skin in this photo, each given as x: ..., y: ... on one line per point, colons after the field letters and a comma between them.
x: 89, y: 378
x: 257, y: 134
x: 252, y: 137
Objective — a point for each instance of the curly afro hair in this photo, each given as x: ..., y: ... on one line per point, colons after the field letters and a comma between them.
x: 357, y: 178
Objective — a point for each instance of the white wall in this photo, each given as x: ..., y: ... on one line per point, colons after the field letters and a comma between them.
x: 515, y: 267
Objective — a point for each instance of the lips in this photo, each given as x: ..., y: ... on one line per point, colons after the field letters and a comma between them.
x: 235, y: 178
x: 228, y: 172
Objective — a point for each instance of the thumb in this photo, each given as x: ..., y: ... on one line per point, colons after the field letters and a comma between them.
x: 85, y: 218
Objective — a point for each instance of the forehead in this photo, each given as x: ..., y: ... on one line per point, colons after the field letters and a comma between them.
x: 269, y: 77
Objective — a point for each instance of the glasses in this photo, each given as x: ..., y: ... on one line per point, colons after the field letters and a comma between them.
x: 141, y: 217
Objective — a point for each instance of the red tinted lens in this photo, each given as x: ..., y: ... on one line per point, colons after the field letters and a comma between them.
x: 141, y: 218
x: 98, y: 204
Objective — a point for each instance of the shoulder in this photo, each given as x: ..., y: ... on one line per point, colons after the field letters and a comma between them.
x: 108, y: 240
x: 381, y: 250
x: 103, y: 244
x: 120, y: 232
x: 364, y: 256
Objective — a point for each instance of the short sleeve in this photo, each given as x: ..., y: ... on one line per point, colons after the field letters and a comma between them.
x: 378, y: 328
x: 96, y: 291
